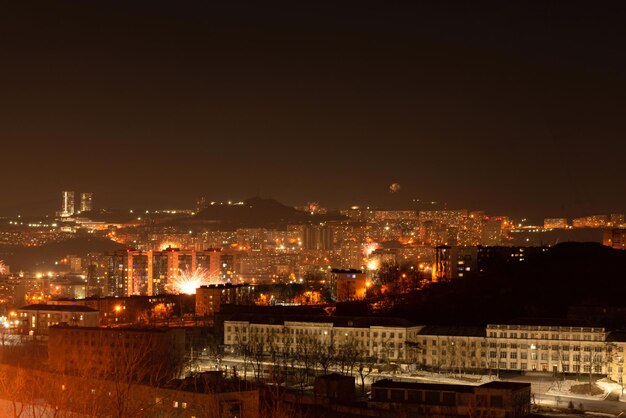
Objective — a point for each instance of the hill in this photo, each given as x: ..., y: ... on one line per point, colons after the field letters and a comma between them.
x: 255, y: 212
x: 43, y: 257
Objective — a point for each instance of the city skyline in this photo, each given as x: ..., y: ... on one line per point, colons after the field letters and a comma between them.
x: 312, y: 209
x: 285, y: 100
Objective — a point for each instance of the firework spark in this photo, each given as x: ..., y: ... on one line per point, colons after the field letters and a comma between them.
x: 189, y: 280
x: 312, y: 207
x: 369, y: 248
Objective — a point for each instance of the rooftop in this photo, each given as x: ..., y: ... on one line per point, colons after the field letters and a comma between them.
x: 337, y: 321
x: 460, y: 331
x: 57, y: 308
x: 388, y: 383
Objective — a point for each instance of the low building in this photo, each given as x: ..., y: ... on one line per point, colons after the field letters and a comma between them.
x: 48, y: 394
x: 494, y: 399
x: 334, y: 388
x: 450, y: 348
x: 37, y: 318
x: 561, y: 347
x: 382, y: 339
x: 134, y: 309
x: 143, y: 354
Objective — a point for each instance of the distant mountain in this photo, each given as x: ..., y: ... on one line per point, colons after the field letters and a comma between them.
x: 256, y: 212
x: 27, y: 258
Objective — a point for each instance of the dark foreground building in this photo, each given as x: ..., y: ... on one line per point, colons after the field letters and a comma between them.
x: 493, y: 399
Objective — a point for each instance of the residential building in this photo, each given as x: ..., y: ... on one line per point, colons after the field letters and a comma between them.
x: 348, y: 284
x: 38, y: 318
x: 146, y: 354
x: 86, y: 202
x: 384, y: 339
x: 615, y: 238
x: 209, y: 299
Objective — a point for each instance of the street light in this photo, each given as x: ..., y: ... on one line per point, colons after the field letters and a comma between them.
x: 118, y: 308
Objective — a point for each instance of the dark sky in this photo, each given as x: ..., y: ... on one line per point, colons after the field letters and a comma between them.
x: 513, y: 107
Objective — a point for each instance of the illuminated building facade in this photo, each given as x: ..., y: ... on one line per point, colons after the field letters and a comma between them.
x: 67, y: 204
x: 133, y: 272
x: 491, y: 231
x: 209, y: 299
x: 38, y: 318
x: 384, y: 339
x: 593, y: 221
x: 454, y: 262
x: 86, y: 202
x: 519, y: 347
x: 348, y: 284
x: 317, y: 237
x: 615, y: 238
x: 616, y: 219
x: 555, y: 223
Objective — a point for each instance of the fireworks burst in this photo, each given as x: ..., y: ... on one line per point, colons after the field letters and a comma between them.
x: 369, y: 248
x: 312, y: 207
x: 189, y: 280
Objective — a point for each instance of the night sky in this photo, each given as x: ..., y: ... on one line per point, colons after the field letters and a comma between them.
x: 512, y: 107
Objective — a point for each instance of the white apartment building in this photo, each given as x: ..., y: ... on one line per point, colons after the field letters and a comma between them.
x: 496, y: 347
x: 384, y: 339
x: 543, y: 348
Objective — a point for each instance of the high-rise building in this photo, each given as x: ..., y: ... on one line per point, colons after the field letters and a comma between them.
x: 317, y: 237
x: 615, y: 238
x: 134, y: 272
x: 86, y: 202
x: 67, y: 204
x: 492, y: 231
